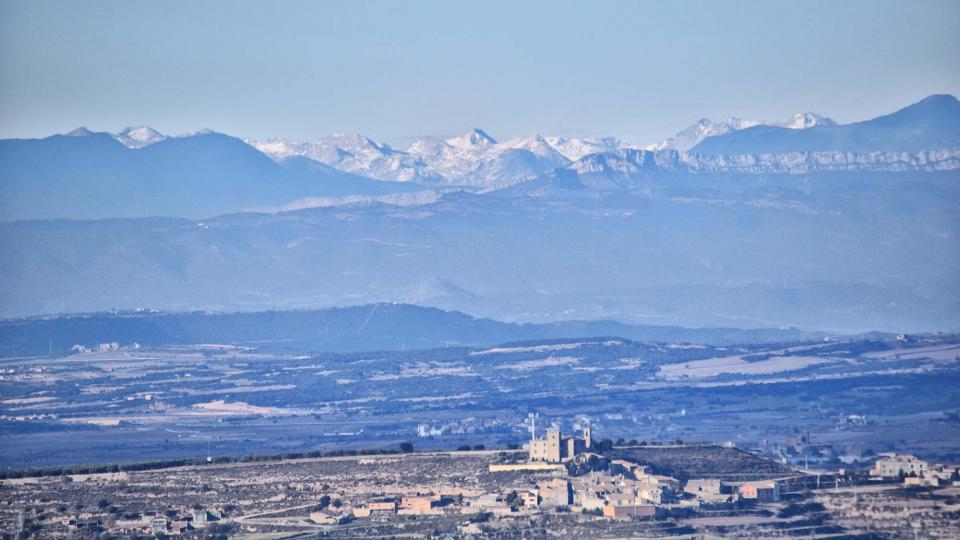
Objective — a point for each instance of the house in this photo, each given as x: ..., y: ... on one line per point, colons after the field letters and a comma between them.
x: 555, y: 492
x: 131, y: 525
x: 944, y: 473
x: 590, y: 501
x: 179, y: 526
x: 629, y: 466
x: 493, y: 503
x: 921, y: 481
x: 376, y: 507
x: 419, y: 504
x: 708, y: 490
x: 891, y: 465
x: 762, y: 492
x: 200, y: 518
x: 160, y: 525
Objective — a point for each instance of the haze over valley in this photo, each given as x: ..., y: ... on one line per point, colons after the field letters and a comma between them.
x: 840, y: 230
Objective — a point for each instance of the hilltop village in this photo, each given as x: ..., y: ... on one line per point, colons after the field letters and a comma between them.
x: 558, y: 485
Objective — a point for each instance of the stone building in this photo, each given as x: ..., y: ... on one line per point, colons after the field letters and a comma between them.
x: 555, y: 492
x: 555, y: 448
x: 892, y: 465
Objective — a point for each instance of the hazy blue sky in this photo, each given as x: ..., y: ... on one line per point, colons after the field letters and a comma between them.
x: 393, y: 69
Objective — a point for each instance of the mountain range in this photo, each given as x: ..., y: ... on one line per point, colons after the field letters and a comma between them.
x: 930, y: 124
x: 923, y: 136
x: 704, y: 128
x: 83, y: 175
x: 857, y: 235
x: 141, y: 172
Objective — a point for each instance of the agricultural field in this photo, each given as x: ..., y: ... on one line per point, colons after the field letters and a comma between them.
x: 166, y: 402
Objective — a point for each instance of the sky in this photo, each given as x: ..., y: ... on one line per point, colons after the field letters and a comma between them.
x: 392, y: 70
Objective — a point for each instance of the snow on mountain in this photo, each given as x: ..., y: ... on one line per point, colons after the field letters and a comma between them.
x: 807, y: 120
x: 351, y: 153
x: 472, y: 139
x: 930, y: 124
x: 138, y: 137
x: 462, y: 160
x: 703, y: 128
x: 472, y: 159
x: 478, y: 160
x: 428, y: 147
x: 574, y: 149
x: 539, y: 147
x: 143, y: 136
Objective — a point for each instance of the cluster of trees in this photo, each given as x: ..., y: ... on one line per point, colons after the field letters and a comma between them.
x: 467, y: 447
x: 633, y: 442
x: 602, y: 446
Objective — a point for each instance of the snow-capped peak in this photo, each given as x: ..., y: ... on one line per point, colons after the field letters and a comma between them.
x: 534, y: 143
x: 574, y: 149
x: 428, y: 146
x: 348, y: 152
x: 700, y: 130
x: 474, y: 159
x: 472, y: 138
x: 477, y: 159
x: 356, y: 142
x: 807, y: 120
x: 703, y: 128
x: 138, y: 137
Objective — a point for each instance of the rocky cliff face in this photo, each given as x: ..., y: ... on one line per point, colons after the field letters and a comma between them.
x: 631, y: 161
